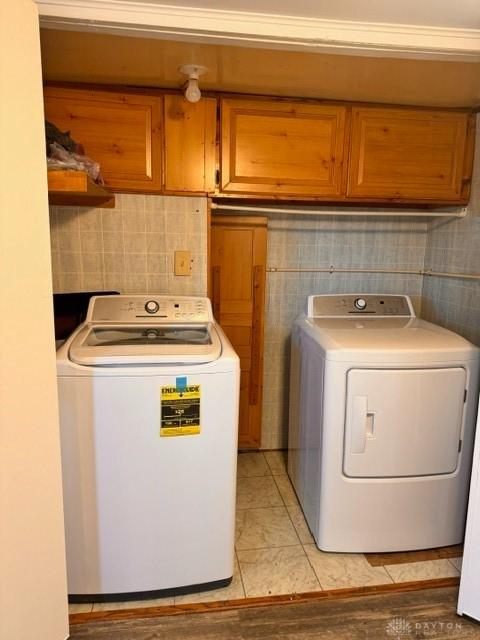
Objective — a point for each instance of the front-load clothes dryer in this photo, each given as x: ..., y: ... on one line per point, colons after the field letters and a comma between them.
x: 148, y: 396
x: 382, y: 414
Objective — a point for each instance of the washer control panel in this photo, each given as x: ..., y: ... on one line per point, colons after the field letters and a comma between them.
x: 348, y: 305
x: 149, y: 309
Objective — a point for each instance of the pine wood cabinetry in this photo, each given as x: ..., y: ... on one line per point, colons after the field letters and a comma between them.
x: 238, y: 263
x: 189, y: 144
x: 408, y: 154
x: 273, y: 149
x: 293, y: 150
x: 146, y: 143
x: 282, y: 148
x: 121, y: 131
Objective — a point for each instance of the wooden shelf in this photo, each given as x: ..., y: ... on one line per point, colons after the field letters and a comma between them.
x: 76, y: 188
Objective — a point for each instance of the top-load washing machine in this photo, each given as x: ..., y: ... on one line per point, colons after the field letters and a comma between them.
x: 382, y: 414
x: 148, y: 394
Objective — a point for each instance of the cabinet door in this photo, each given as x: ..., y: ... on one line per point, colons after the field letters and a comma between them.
x: 407, y: 154
x: 238, y: 258
x: 189, y: 144
x: 282, y: 148
x: 122, y: 132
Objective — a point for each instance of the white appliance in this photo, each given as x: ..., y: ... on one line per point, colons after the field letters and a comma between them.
x: 382, y: 411
x: 468, y: 600
x: 148, y: 393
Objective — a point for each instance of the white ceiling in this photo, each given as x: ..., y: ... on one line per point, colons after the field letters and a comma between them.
x: 432, y: 13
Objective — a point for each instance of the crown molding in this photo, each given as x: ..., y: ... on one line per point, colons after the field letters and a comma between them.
x: 151, y: 20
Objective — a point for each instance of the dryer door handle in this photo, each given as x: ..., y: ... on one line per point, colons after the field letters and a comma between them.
x: 357, y: 420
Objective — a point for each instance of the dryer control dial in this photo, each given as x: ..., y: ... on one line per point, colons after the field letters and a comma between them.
x: 151, y: 306
x: 360, y: 304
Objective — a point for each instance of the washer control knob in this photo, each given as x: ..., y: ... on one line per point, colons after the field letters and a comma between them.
x: 151, y: 306
x: 360, y: 303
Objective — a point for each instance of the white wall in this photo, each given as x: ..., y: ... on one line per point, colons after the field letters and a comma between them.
x: 33, y: 601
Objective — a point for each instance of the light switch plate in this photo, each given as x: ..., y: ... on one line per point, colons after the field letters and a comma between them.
x: 183, y: 263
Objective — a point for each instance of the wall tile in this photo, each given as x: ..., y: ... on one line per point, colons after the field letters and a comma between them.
x: 156, y: 263
x: 156, y: 242
x: 135, y: 263
x: 93, y: 281
x: 454, y: 246
x: 68, y: 241
x: 130, y: 248
x: 135, y: 242
x: 114, y: 262
x: 113, y: 242
x: 91, y: 241
x: 135, y: 283
x: 70, y: 262
x: 134, y: 219
x: 92, y: 263
x: 111, y: 219
x: 89, y: 220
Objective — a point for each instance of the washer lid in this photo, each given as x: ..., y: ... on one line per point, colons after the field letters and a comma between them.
x: 101, y: 344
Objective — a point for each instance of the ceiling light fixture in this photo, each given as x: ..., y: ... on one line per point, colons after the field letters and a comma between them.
x: 190, y: 87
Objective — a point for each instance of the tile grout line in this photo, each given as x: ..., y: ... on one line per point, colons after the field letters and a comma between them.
x: 389, y: 574
x: 313, y: 568
x: 296, y: 533
x: 241, y: 574
x: 454, y: 566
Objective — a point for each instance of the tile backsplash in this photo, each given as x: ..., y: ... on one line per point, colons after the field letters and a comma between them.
x: 453, y: 246
x: 130, y: 248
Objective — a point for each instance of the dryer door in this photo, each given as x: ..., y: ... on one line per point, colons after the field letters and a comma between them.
x: 403, y: 422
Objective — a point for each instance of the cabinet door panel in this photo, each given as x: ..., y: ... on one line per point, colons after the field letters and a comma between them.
x: 120, y: 131
x: 189, y: 150
x: 282, y: 148
x: 238, y: 254
x: 407, y: 153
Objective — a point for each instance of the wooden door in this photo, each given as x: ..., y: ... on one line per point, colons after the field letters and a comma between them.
x: 238, y: 262
x: 407, y: 154
x: 282, y: 148
x: 121, y: 131
x: 189, y: 144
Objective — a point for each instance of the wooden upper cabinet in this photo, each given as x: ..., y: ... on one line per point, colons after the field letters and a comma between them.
x: 280, y: 148
x: 189, y: 144
x: 409, y: 154
x: 121, y: 131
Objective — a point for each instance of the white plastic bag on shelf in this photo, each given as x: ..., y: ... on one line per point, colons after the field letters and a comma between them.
x: 60, y: 158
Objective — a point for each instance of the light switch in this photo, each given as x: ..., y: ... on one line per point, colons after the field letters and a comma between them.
x: 183, y: 263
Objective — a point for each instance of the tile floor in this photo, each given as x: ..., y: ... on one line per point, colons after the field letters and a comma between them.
x: 275, y: 551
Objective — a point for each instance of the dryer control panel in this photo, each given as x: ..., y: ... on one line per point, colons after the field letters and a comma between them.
x: 149, y: 309
x: 352, y: 304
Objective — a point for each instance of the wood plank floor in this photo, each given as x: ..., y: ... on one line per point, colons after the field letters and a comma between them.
x: 415, y: 614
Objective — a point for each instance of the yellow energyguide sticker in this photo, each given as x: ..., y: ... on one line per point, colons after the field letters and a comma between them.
x: 180, y: 411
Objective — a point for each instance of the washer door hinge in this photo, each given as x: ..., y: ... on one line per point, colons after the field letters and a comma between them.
x: 465, y: 396
x: 459, y: 445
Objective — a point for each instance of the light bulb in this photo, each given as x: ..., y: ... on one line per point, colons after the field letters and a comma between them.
x: 192, y: 92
